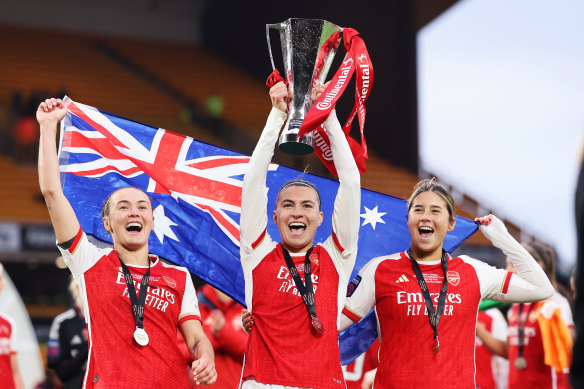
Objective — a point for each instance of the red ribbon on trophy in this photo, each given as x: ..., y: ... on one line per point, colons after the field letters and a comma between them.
x: 275, y: 78
x: 357, y: 59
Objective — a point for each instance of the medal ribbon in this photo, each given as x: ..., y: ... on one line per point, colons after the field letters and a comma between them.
x: 357, y: 59
x: 306, y: 291
x: 433, y: 316
x: 521, y: 327
x: 138, y: 302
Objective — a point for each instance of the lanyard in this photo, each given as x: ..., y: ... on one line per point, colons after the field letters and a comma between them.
x: 306, y: 291
x: 521, y: 326
x: 433, y: 316
x: 138, y: 302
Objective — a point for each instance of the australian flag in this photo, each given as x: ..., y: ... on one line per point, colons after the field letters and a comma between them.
x: 196, y: 196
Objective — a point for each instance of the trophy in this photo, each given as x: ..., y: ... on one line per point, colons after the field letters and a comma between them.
x: 308, y: 49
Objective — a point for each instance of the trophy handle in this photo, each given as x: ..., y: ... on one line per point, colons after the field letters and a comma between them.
x: 275, y: 26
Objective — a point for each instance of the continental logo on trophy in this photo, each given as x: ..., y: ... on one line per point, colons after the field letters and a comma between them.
x: 308, y: 49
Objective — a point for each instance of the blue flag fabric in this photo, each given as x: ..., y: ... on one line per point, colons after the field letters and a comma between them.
x: 196, y: 195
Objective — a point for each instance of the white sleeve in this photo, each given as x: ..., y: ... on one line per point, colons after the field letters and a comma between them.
x: 347, y: 206
x: 255, y: 242
x: 361, y: 293
x: 499, y: 327
x: 81, y: 255
x: 566, y: 310
x: 254, y: 197
x: 14, y: 341
x: 530, y: 283
x: 558, y: 302
x: 190, y: 304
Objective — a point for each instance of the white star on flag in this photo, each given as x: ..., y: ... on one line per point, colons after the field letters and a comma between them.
x: 162, y: 225
x: 372, y: 216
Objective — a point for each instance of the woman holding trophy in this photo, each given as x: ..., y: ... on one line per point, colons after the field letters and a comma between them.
x: 296, y: 290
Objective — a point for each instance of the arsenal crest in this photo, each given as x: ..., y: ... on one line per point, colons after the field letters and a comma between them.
x: 453, y: 277
x: 169, y: 281
x: 314, y: 258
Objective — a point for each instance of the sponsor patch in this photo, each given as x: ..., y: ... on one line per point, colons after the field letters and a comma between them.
x: 353, y: 285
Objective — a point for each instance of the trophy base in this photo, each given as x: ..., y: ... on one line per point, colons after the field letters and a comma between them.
x: 291, y: 144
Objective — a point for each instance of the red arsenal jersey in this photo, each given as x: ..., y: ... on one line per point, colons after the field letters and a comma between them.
x: 6, y: 350
x: 283, y: 348
x: 492, y: 370
x: 115, y: 359
x: 406, y: 357
x: 537, y: 373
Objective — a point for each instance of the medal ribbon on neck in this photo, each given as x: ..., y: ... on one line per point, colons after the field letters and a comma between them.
x: 306, y: 291
x: 138, y: 302
x: 433, y: 315
x: 520, y: 362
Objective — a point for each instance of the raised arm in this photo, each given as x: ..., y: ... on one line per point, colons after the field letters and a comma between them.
x: 530, y: 283
x: 65, y: 223
x: 348, y: 200
x: 254, y: 199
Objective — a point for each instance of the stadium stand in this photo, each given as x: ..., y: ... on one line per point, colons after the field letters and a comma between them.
x: 103, y: 72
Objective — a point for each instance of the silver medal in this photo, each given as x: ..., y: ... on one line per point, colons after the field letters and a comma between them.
x: 141, y: 337
x: 520, y: 363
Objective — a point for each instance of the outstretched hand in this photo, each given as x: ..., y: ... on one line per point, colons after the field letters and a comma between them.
x: 485, y: 220
x: 491, y: 226
x: 51, y: 111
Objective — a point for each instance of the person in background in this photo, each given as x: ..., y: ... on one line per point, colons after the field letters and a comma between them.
x: 67, y: 348
x: 491, y: 370
x: 539, y: 344
x: 10, y: 377
x: 355, y: 372
x: 221, y: 317
x: 577, y: 369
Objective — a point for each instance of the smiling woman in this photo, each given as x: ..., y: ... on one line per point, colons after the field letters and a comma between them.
x: 427, y: 301
x: 127, y: 216
x: 117, y: 316
x: 295, y: 290
x: 298, y: 215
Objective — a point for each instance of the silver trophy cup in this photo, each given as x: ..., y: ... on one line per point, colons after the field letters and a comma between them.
x: 308, y: 49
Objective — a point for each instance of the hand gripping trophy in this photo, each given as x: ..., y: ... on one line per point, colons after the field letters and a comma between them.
x: 308, y: 50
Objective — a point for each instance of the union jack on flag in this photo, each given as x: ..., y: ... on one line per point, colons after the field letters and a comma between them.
x: 196, y: 195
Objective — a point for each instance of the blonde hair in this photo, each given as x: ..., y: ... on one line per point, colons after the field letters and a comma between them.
x: 432, y: 185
